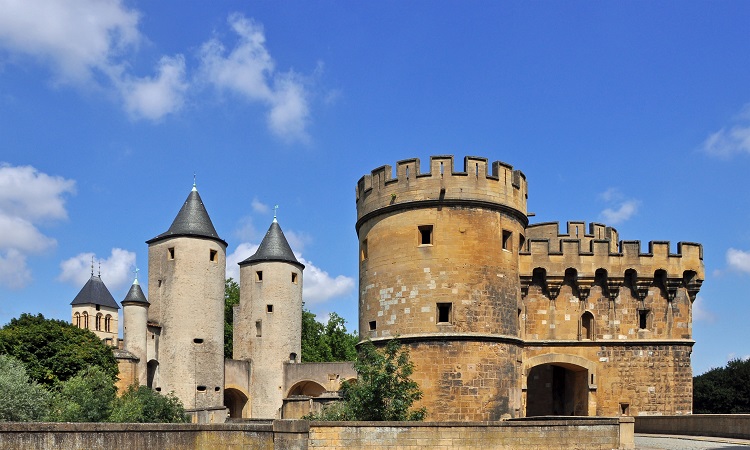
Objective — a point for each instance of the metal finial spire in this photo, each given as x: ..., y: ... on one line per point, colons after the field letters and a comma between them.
x: 275, y: 209
x: 195, y: 188
x: 92, y: 265
x: 136, y: 275
x: 100, y: 268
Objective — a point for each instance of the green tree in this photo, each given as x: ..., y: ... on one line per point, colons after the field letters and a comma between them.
x: 231, y: 299
x: 141, y: 404
x: 383, y: 390
x: 54, y: 350
x: 723, y: 390
x: 21, y: 400
x: 329, y: 342
x: 87, y: 397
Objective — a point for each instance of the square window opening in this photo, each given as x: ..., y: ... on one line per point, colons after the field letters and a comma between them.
x: 259, y: 275
x: 507, y: 240
x: 425, y: 234
x: 625, y: 409
x: 213, y: 256
x: 269, y: 308
x: 170, y: 252
x: 373, y: 325
x: 444, y: 312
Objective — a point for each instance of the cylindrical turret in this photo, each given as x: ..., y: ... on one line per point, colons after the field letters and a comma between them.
x: 187, y: 269
x: 268, y: 320
x: 134, y: 329
x: 439, y: 269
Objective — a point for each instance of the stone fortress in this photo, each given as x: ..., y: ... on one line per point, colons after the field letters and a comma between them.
x: 502, y: 318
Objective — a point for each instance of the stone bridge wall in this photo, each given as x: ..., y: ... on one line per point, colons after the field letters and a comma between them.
x: 719, y: 425
x: 558, y: 433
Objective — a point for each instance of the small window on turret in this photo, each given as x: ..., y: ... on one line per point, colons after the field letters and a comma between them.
x: 259, y: 275
x: 258, y: 328
x: 170, y: 252
x: 507, y: 240
x: 373, y: 325
x: 363, y: 250
x: 213, y: 256
x: 201, y: 388
x: 425, y: 234
x: 294, y: 277
x: 269, y: 308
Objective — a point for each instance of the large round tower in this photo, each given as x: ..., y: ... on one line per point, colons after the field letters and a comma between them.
x: 268, y: 320
x: 186, y: 274
x: 439, y: 270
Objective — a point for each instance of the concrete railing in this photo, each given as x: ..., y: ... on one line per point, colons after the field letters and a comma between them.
x: 717, y: 425
x: 556, y: 433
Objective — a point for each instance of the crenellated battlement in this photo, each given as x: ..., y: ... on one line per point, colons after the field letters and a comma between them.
x: 598, y: 249
x: 480, y: 182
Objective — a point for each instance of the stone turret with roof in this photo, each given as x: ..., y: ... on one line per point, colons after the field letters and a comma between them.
x: 268, y: 320
x: 94, y: 308
x: 135, y: 328
x: 186, y: 274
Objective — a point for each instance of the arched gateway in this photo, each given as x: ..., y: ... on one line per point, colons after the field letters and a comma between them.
x: 560, y: 385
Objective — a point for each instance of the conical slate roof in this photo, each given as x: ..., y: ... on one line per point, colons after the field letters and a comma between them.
x: 94, y: 292
x: 135, y: 295
x: 192, y: 220
x: 274, y: 247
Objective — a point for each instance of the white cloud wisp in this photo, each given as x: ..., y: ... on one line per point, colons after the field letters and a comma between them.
x: 730, y: 140
x: 116, y: 271
x: 620, y: 209
x: 28, y: 198
x: 738, y: 260
x: 249, y: 71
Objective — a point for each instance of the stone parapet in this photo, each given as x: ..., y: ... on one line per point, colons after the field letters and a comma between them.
x: 502, y: 187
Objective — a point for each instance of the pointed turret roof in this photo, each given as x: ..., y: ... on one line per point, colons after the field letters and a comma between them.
x: 274, y: 247
x: 94, y: 292
x: 192, y: 220
x: 135, y: 295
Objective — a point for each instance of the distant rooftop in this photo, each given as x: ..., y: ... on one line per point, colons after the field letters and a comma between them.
x: 94, y: 292
x: 192, y: 220
x: 274, y: 247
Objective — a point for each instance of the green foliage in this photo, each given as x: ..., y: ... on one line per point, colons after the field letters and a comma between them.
x: 231, y: 299
x: 21, y: 400
x: 87, y: 397
x: 326, y: 343
x: 383, y: 390
x: 54, y: 350
x: 723, y: 390
x: 141, y: 404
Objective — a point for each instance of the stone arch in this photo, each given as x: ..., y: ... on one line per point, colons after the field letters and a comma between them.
x: 77, y: 320
x: 308, y: 388
x: 85, y: 320
x: 558, y: 384
x: 236, y: 402
x: 98, y: 322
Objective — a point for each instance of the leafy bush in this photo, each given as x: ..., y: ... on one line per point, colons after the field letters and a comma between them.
x: 21, y: 400
x: 141, y: 404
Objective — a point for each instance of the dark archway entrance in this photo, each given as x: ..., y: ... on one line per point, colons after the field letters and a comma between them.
x: 152, y: 379
x: 557, y: 390
x: 235, y: 401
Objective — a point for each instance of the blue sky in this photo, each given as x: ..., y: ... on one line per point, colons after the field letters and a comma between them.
x: 636, y: 114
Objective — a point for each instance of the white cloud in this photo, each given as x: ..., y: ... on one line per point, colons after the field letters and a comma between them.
x: 738, y: 260
x: 623, y: 212
x: 731, y: 140
x: 116, y: 271
x: 249, y: 70
x: 259, y: 207
x: 700, y: 312
x: 297, y: 240
x: 319, y: 287
x: 155, y: 97
x: 13, y: 271
x: 241, y: 253
x: 79, y: 39
x: 28, y: 198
